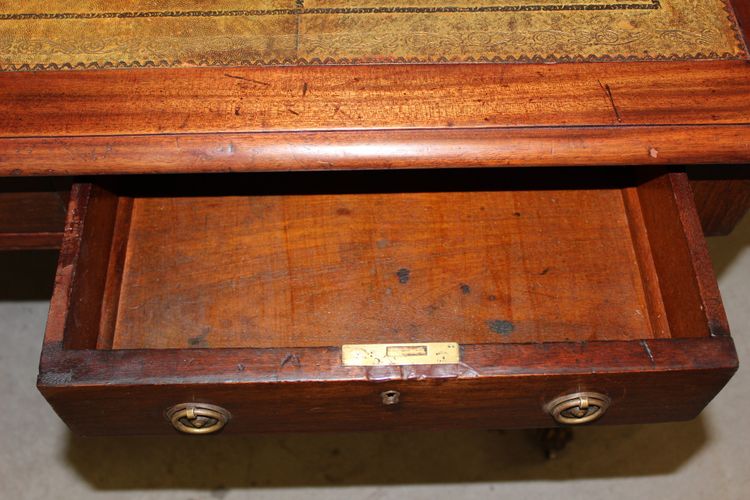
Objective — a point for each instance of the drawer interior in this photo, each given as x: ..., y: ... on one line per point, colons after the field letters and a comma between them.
x: 325, y: 259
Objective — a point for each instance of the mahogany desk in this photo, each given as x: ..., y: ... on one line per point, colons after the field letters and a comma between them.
x: 400, y: 214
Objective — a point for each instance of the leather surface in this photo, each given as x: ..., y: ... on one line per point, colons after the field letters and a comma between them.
x: 56, y: 34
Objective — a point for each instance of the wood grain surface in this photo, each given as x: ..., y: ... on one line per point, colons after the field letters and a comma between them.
x: 686, y: 278
x: 722, y: 197
x: 307, y: 389
x: 329, y: 269
x: 368, y: 150
x: 164, y: 101
x: 32, y: 213
x: 742, y: 13
x: 213, y: 119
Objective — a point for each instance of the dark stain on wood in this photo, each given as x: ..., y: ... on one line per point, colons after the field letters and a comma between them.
x: 501, y: 326
x: 544, y: 271
x: 465, y: 289
x: 199, y: 340
x: 491, y: 298
x: 516, y: 214
x: 403, y: 275
x: 717, y: 329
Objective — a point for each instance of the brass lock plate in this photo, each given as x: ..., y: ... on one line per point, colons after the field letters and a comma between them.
x: 429, y: 353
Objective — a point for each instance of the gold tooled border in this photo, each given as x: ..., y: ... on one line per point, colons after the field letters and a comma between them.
x: 301, y: 10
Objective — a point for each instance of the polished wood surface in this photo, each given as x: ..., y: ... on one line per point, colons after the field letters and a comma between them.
x: 90, y: 283
x: 722, y: 197
x: 686, y: 277
x: 380, y: 149
x: 288, y: 390
x: 32, y: 213
x: 213, y: 119
x: 742, y: 13
x: 100, y: 388
x: 30, y: 241
x: 211, y: 100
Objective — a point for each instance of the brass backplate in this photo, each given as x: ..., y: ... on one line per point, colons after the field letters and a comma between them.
x: 430, y: 353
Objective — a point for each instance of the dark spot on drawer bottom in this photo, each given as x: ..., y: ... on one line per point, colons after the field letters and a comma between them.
x: 403, y: 275
x: 501, y: 326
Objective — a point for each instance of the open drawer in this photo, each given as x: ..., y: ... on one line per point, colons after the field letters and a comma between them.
x: 482, y: 298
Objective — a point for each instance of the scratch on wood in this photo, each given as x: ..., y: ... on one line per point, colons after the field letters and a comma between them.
x: 292, y: 359
x: 337, y: 109
x: 608, y: 93
x: 236, y: 77
x: 648, y: 351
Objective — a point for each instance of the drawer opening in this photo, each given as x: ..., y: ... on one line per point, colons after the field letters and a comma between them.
x: 324, y: 259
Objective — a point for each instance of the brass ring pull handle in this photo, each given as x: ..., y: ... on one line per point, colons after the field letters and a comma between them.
x: 578, y: 408
x: 198, y: 418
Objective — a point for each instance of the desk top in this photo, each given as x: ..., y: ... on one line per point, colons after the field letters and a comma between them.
x: 304, y: 85
x: 118, y: 34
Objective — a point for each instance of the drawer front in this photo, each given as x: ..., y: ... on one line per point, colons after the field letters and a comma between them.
x: 115, y: 363
x: 503, y: 387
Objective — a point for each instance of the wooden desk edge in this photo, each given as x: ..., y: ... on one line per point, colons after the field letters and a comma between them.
x: 376, y: 149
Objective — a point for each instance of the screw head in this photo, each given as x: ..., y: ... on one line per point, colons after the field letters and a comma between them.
x: 390, y: 397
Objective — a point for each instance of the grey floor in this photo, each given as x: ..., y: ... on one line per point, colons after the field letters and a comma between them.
x: 705, y: 458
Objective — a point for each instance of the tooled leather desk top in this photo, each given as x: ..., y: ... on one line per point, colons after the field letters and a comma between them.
x: 90, y: 34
